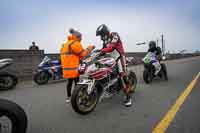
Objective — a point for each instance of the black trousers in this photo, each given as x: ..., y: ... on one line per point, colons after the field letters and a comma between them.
x: 69, y: 85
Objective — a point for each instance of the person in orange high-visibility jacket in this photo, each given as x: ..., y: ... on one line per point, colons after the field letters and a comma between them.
x: 71, y: 54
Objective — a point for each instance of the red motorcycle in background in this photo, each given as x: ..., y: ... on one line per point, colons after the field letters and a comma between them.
x: 99, y: 76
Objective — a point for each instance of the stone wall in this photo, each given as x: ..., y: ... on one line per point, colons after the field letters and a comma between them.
x: 53, y: 56
x: 25, y: 61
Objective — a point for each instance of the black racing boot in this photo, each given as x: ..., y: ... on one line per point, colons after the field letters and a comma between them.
x: 128, y: 101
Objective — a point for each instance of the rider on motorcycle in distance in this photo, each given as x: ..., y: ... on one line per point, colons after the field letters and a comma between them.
x: 157, y: 52
x: 113, y: 44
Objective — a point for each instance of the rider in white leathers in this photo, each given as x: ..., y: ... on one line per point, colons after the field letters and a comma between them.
x: 157, y: 51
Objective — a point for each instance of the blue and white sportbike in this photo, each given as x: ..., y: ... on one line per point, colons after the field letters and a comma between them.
x: 48, y: 69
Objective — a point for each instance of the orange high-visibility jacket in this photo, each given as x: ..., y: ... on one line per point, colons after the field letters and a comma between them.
x: 71, y: 53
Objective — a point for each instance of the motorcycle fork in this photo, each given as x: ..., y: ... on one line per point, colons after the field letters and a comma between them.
x: 90, y: 86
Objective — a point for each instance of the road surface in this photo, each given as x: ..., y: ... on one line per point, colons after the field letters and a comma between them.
x: 48, y: 113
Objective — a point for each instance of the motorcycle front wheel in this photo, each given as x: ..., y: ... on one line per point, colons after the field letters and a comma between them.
x: 41, y: 78
x: 82, y: 102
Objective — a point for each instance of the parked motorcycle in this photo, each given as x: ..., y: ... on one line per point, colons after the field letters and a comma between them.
x: 99, y: 76
x: 7, y: 80
x: 13, y: 119
x: 149, y: 69
x: 48, y: 69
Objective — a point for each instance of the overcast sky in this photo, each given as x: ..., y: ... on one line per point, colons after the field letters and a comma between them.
x: 47, y: 22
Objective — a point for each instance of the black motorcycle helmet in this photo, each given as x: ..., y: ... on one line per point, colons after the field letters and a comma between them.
x: 102, y: 30
x: 152, y: 44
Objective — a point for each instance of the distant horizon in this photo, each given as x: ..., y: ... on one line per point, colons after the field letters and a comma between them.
x: 171, y: 52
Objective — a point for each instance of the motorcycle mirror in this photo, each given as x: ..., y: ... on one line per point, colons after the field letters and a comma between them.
x: 143, y: 43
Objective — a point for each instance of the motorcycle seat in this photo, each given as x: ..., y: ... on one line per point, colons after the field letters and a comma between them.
x: 6, y: 60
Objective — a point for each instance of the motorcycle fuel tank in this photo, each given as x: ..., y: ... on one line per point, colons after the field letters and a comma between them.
x: 101, y: 70
x: 107, y: 61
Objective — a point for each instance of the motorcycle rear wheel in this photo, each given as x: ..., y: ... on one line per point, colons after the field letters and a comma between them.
x: 7, y: 81
x: 133, y: 81
x: 164, y: 70
x: 147, y: 76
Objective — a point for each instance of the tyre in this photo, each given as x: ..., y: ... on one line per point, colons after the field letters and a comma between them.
x: 164, y: 70
x: 7, y: 81
x: 15, y: 114
x: 41, y: 78
x: 147, y: 76
x: 82, y: 103
x: 132, y: 81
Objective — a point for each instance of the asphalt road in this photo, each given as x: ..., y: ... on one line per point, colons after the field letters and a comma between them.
x: 48, y: 113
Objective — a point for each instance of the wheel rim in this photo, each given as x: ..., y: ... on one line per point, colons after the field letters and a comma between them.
x: 43, y: 77
x: 86, y: 102
x: 6, y: 82
x: 5, y: 125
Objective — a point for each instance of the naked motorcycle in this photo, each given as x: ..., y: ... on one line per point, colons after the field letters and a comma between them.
x: 99, y: 76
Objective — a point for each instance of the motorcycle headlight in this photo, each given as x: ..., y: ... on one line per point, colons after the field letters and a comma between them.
x: 82, y: 68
